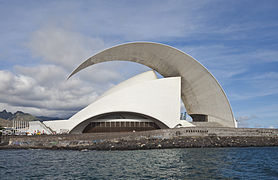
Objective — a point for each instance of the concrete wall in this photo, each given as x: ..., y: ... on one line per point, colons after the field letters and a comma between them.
x: 167, y: 138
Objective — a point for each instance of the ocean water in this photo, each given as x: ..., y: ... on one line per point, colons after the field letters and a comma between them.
x: 192, y: 163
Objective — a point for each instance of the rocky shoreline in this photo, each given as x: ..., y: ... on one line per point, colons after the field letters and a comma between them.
x: 170, y: 138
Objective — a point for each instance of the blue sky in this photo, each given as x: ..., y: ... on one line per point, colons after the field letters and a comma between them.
x: 43, y: 41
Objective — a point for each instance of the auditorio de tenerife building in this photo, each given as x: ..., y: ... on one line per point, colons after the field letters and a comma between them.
x: 145, y: 102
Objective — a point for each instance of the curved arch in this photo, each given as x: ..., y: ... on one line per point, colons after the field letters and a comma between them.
x: 82, y: 125
x: 200, y: 91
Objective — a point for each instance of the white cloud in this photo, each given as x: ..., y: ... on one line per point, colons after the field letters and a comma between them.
x: 143, y: 20
x: 44, y: 90
x: 261, y: 76
x: 239, y: 96
x: 59, y: 46
x: 264, y: 55
x: 258, y: 85
x: 246, y: 118
x: 243, y: 121
x: 32, y: 91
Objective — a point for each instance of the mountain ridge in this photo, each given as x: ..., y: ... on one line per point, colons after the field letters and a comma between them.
x: 22, y: 116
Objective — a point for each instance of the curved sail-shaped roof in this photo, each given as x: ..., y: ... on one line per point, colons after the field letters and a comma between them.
x: 200, y: 91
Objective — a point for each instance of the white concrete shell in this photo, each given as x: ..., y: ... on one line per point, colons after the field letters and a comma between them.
x: 158, y: 99
x: 202, y: 95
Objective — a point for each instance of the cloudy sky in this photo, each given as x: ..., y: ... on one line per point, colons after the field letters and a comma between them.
x: 41, y: 42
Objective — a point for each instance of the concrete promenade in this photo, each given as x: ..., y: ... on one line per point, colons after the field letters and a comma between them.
x: 167, y: 138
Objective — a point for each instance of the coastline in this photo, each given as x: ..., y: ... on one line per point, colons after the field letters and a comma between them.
x: 156, y: 139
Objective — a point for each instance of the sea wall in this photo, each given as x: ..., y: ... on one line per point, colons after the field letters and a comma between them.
x: 168, y: 138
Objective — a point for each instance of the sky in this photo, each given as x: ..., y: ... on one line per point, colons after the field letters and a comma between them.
x: 42, y: 42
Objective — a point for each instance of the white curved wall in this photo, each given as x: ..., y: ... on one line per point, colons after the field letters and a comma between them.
x: 156, y: 98
x: 59, y: 126
x: 37, y: 126
x: 143, y: 77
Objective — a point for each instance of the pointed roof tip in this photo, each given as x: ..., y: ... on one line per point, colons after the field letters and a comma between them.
x: 154, y: 73
x: 70, y: 75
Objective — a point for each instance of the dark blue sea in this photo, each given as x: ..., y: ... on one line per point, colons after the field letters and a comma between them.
x: 194, y: 163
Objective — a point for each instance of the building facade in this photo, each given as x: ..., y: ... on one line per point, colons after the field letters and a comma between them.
x: 145, y: 102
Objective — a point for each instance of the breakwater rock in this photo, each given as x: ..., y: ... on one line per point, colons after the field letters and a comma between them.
x: 169, y: 138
